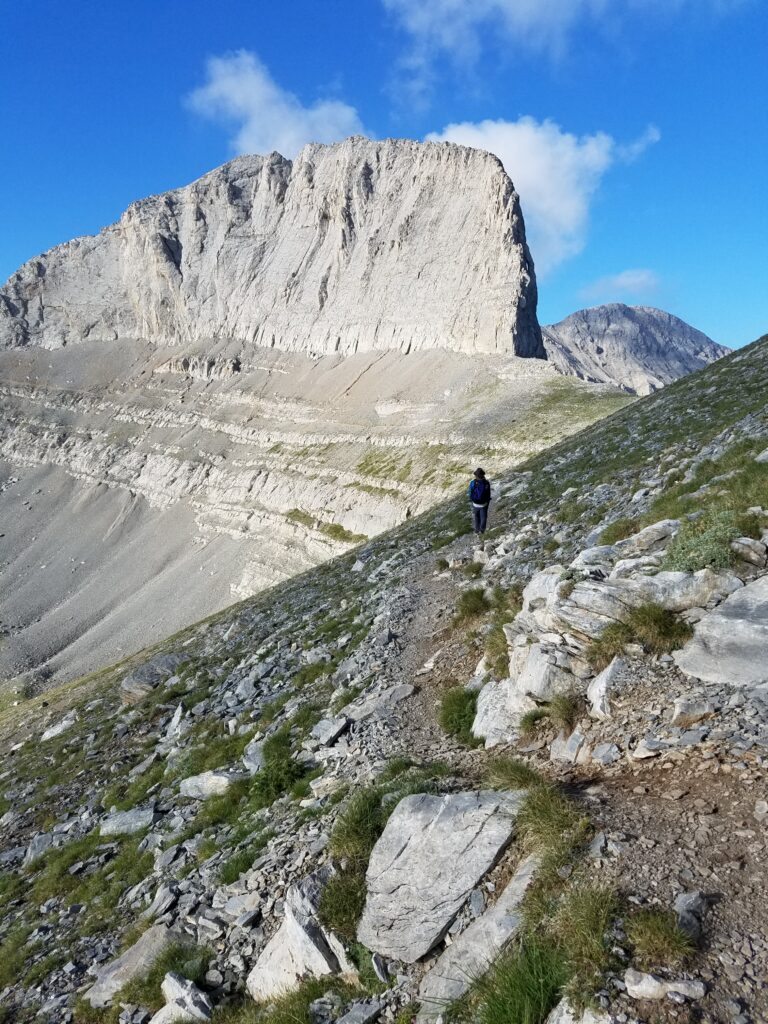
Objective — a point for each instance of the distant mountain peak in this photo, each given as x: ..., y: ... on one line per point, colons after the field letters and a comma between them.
x: 640, y: 348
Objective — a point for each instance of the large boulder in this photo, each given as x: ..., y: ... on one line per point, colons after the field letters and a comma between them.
x: 476, y: 947
x: 434, y: 849
x: 121, y: 823
x: 211, y: 783
x: 133, y: 963
x: 729, y: 645
x: 300, y: 948
x: 143, y: 680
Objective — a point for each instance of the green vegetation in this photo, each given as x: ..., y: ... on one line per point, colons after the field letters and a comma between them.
x: 497, y: 651
x: 520, y: 988
x: 333, y: 530
x: 342, y: 902
x: 655, y: 628
x: 471, y: 604
x: 457, y: 713
x: 511, y: 773
x: 13, y: 954
x: 706, y: 541
x: 656, y: 938
x: 352, y: 840
x: 564, y: 710
x: 243, y: 859
x: 620, y: 529
x: 531, y: 720
x: 292, y: 1008
x: 182, y: 958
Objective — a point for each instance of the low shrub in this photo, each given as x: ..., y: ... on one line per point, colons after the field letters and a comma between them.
x: 457, y: 713
x: 706, y: 541
x: 472, y: 569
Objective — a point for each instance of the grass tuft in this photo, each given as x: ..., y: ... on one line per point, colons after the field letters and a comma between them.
x: 471, y: 604
x: 457, y: 713
x: 531, y: 719
x: 657, y: 629
x: 619, y: 530
x: 512, y: 773
x: 657, y: 939
x: 497, y: 652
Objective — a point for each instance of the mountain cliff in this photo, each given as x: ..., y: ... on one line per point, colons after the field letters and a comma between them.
x: 353, y: 247
x: 636, y: 347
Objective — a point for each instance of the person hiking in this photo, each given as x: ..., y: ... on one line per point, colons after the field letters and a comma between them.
x: 480, y: 496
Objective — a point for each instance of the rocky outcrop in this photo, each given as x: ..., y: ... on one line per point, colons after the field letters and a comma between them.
x: 636, y: 347
x: 353, y: 247
x: 729, y: 645
x: 433, y: 850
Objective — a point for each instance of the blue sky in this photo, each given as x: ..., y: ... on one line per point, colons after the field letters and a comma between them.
x: 635, y: 130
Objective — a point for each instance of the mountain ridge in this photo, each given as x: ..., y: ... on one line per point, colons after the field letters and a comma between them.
x: 638, y: 348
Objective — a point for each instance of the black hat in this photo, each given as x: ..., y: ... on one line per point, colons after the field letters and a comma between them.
x: 480, y: 473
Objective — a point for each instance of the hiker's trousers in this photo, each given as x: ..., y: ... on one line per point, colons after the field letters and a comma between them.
x: 479, y: 518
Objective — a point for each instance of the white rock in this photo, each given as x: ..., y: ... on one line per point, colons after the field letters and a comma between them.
x: 648, y: 986
x: 600, y: 687
x: 729, y: 644
x: 184, y: 994
x: 214, y: 259
x: 433, y: 851
x: 300, y: 947
x: 63, y: 726
x: 469, y: 955
x: 134, y: 962
x: 564, y: 1013
x: 637, y: 347
x: 206, y: 784
x: 128, y: 822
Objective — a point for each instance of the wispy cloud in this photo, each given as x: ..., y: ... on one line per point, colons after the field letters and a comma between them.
x: 628, y: 284
x: 555, y: 172
x: 240, y: 93
x: 460, y: 29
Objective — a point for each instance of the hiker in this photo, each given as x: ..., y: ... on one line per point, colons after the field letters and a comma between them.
x: 480, y: 496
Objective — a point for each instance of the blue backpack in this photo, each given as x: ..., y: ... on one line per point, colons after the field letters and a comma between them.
x: 479, y: 492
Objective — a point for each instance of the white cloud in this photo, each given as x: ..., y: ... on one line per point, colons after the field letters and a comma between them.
x: 629, y: 284
x: 460, y: 28
x: 239, y: 91
x: 555, y: 173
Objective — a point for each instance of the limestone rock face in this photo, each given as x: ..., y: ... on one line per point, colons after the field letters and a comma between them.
x: 433, y: 850
x: 729, y: 644
x: 637, y: 347
x: 353, y: 247
x: 134, y: 962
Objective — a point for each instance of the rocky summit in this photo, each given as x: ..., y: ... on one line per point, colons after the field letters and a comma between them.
x: 431, y: 780
x: 636, y: 347
x: 355, y: 247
